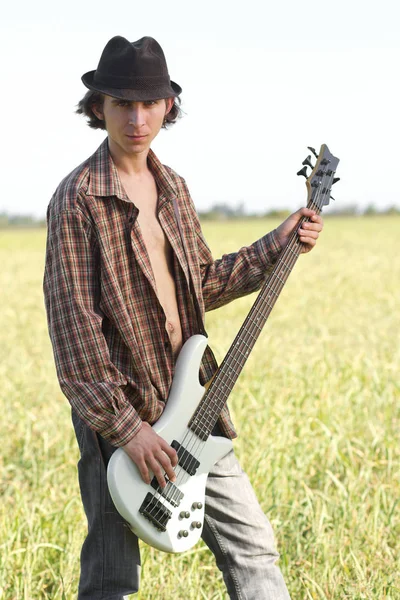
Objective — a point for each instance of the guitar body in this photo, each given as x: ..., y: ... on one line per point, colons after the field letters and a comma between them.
x: 129, y: 491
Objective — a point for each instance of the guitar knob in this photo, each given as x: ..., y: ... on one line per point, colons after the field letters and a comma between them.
x: 308, y: 162
x: 313, y: 151
x: 197, y: 505
x: 196, y: 525
x: 183, y: 533
x: 184, y: 515
x: 303, y: 172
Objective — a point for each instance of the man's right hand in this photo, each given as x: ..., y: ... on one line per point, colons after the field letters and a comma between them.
x: 150, y: 451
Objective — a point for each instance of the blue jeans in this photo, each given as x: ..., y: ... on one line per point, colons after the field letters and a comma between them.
x: 235, y: 529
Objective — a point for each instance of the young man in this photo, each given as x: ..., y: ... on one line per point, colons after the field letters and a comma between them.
x: 117, y: 287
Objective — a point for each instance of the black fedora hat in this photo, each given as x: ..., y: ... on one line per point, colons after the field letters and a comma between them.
x: 135, y: 71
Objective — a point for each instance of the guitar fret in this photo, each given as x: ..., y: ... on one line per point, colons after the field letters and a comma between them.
x: 281, y: 280
x: 238, y: 349
x: 200, y: 421
x: 288, y: 248
x: 239, y: 366
x: 269, y: 305
x: 273, y: 292
x: 284, y: 265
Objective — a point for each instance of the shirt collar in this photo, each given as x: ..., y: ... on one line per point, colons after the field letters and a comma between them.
x: 165, y: 183
x: 104, y: 179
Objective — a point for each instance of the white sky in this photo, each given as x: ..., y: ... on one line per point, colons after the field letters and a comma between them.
x: 261, y: 81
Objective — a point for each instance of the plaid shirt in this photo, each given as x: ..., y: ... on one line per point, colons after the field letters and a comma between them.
x: 112, y: 352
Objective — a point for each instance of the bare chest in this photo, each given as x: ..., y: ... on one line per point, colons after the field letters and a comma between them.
x: 145, y: 199
x: 160, y: 255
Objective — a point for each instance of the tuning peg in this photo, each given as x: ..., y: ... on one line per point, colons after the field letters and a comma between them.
x: 332, y: 198
x: 308, y: 162
x: 313, y: 151
x: 303, y: 172
x: 335, y: 180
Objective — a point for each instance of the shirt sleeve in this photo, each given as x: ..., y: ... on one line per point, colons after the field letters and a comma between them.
x: 88, y: 378
x: 235, y: 274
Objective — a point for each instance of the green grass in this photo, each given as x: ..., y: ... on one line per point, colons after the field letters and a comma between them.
x: 316, y: 408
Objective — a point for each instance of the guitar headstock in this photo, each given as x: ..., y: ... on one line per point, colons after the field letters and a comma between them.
x: 321, y: 179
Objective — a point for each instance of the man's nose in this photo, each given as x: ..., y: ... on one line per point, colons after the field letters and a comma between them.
x: 136, y: 116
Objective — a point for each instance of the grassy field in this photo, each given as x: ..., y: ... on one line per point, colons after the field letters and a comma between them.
x: 316, y: 408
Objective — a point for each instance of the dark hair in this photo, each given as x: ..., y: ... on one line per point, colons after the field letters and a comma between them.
x: 92, y: 98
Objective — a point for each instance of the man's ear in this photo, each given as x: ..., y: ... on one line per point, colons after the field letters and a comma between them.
x: 169, y: 104
x: 97, y: 112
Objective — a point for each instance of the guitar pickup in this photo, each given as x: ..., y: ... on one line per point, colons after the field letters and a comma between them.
x: 170, y: 492
x: 153, y: 510
x: 185, y: 460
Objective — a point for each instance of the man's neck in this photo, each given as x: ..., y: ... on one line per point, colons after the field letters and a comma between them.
x: 131, y: 165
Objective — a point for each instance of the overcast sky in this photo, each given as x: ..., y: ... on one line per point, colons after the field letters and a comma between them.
x: 261, y: 81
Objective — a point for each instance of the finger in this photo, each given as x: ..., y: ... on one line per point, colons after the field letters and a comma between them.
x: 308, y: 233
x: 317, y: 218
x: 316, y: 222
x: 171, y: 453
x: 308, y: 242
x: 144, y: 471
x: 155, y: 466
x: 165, y: 461
x: 312, y: 226
x: 306, y: 212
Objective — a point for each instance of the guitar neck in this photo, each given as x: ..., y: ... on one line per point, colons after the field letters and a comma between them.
x: 209, y: 409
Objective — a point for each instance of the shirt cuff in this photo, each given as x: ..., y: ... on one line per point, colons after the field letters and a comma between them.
x: 268, y: 249
x: 124, y: 426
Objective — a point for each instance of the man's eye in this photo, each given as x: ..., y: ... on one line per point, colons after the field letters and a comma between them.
x: 150, y: 102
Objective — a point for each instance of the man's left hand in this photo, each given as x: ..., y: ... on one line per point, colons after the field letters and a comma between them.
x: 308, y: 232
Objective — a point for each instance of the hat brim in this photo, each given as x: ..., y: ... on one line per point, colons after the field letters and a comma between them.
x: 131, y: 94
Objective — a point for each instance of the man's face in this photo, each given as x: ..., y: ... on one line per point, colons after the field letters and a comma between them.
x: 132, y: 126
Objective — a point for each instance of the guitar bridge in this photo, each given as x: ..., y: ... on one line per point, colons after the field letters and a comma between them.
x: 153, y: 510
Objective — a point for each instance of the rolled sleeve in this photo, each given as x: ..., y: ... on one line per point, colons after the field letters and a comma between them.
x: 237, y: 274
x: 87, y: 377
x: 267, y: 249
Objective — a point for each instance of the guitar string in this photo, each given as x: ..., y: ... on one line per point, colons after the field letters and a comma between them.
x: 209, y: 422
